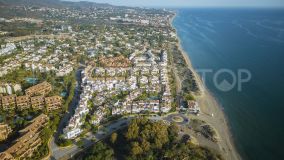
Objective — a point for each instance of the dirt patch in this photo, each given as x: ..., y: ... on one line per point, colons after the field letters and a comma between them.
x: 201, y: 127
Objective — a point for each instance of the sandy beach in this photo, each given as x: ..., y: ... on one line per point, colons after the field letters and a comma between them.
x: 212, y: 112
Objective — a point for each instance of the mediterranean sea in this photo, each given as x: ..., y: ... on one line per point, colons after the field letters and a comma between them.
x: 251, y: 39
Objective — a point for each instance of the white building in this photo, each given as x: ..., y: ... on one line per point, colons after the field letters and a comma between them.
x: 9, y: 47
x: 65, y: 70
x: 71, y: 134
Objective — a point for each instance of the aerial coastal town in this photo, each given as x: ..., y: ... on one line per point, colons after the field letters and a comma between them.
x: 72, y: 74
x: 127, y: 82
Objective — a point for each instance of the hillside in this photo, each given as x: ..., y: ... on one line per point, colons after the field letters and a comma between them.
x: 51, y: 3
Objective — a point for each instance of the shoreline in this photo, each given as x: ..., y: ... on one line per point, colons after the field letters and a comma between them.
x: 218, y: 121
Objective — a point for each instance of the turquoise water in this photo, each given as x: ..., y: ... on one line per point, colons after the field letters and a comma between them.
x: 31, y: 80
x: 63, y: 94
x: 251, y: 39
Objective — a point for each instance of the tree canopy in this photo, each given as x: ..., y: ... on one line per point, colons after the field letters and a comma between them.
x: 144, y: 139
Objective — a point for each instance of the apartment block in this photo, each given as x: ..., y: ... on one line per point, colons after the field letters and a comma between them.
x: 9, y: 102
x: 53, y: 103
x: 6, y: 156
x: 37, y: 124
x: 40, y: 89
x: 37, y: 102
x: 5, y: 130
x: 23, y: 102
x: 30, y: 140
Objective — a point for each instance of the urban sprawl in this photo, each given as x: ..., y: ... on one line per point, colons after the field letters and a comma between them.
x: 117, y: 61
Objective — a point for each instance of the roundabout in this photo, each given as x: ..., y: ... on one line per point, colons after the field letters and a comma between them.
x: 177, y: 118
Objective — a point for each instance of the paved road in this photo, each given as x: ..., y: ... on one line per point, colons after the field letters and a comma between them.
x: 68, y: 152
x: 71, y: 108
x: 169, y: 118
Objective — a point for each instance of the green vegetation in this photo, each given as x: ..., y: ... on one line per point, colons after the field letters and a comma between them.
x: 142, y: 96
x: 62, y: 142
x: 147, y: 95
x: 188, y: 97
x: 100, y: 151
x: 59, y: 84
x: 18, y: 28
x: 119, y: 96
x: 90, y: 104
x: 189, y: 83
x: 143, y: 140
x: 203, y: 128
x: 45, y: 135
x: 18, y: 119
x: 70, y: 85
x: 113, y: 138
x: 80, y: 143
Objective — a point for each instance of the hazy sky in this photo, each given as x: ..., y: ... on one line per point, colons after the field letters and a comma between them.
x: 193, y: 3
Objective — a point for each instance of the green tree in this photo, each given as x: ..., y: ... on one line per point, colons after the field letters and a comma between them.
x: 145, y: 145
x: 113, y: 137
x: 173, y: 131
x: 46, y: 133
x: 132, y: 131
x: 80, y: 144
x: 189, y: 97
x: 136, y: 149
x: 100, y: 151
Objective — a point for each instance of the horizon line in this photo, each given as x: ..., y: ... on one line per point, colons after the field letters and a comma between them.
x: 180, y: 6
